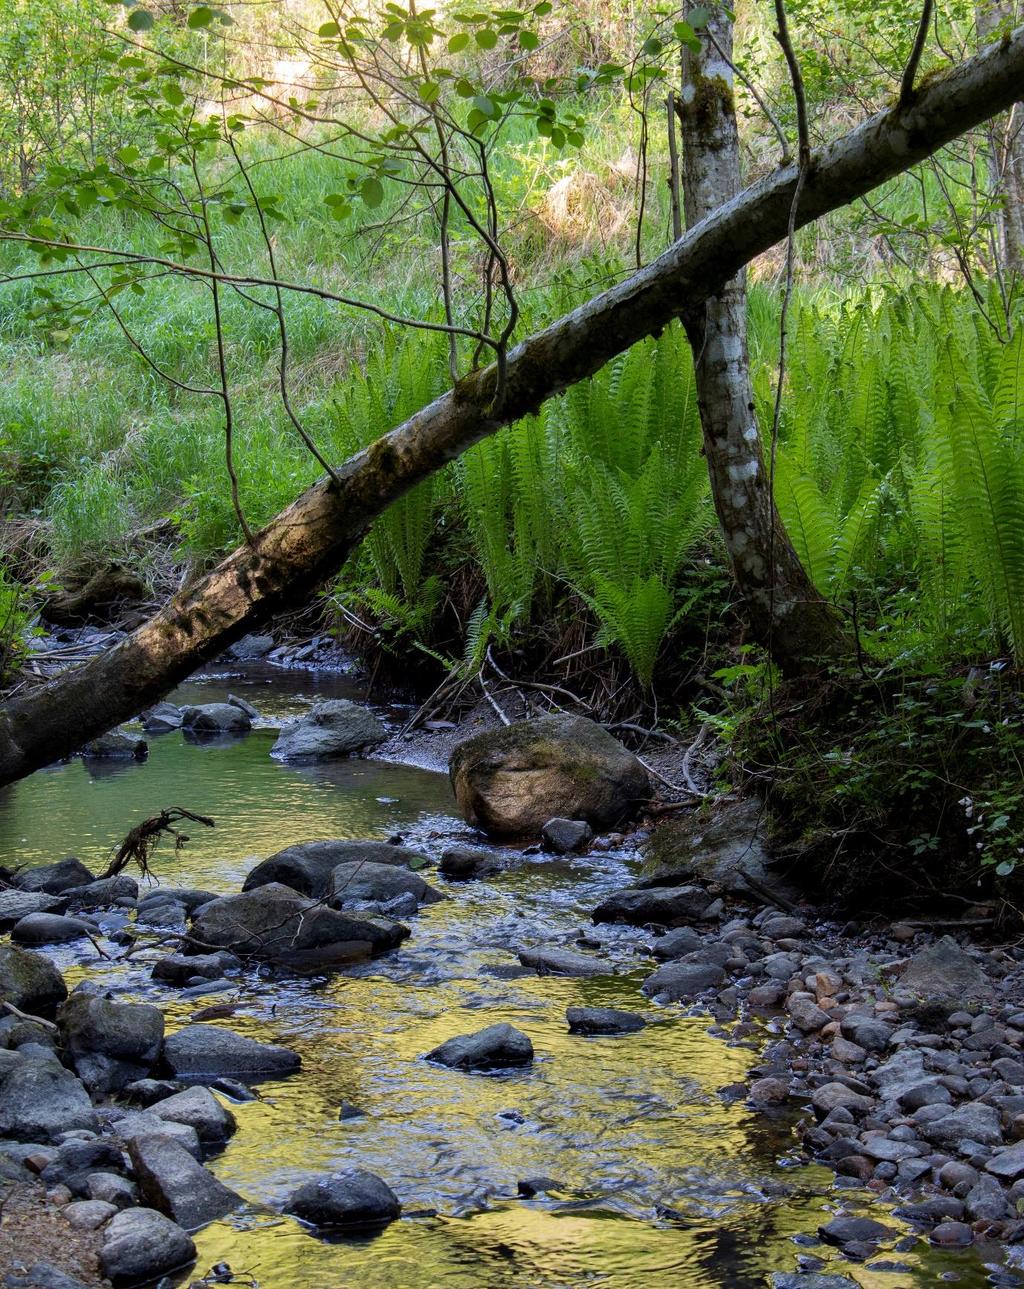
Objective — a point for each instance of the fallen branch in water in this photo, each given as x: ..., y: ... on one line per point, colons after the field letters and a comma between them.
x: 139, y: 844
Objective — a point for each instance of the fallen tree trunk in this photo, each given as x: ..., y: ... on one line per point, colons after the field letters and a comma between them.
x: 309, y: 540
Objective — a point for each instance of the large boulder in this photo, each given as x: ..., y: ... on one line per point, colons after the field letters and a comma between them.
x: 330, y: 729
x: 945, y: 971
x: 170, y: 1180
x: 140, y: 1245
x: 307, y: 866
x: 211, y: 720
x: 198, y: 1108
x: 110, y: 1044
x: 377, y: 883
x: 205, y: 1051
x: 350, y: 1199
x: 116, y: 746
x: 30, y: 982
x: 277, y: 924
x: 659, y: 906
x: 497, y: 1047
x: 103, y: 893
x: 40, y: 1099
x: 511, y: 781
x: 53, y: 879
x: 48, y: 928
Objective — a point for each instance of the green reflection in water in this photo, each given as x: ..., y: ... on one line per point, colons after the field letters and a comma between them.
x: 662, y: 1185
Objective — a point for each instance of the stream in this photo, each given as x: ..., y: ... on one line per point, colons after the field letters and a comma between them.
x: 660, y: 1181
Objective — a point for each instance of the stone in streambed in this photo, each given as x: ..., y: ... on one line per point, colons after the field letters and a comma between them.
x: 202, y: 1050
x: 30, y: 982
x: 140, y: 1245
x: 563, y: 962
x: 973, y: 1121
x: 104, y: 893
x: 351, y: 1199
x: 681, y: 980
x: 180, y: 968
x: 566, y: 836
x: 170, y: 1180
x: 497, y: 1047
x: 210, y: 720
x: 198, y: 1108
x: 116, y: 746
x: 277, y: 924
x: 602, y: 1020
x: 307, y: 866
x: 48, y: 928
x: 331, y: 729
x: 53, y: 879
x: 511, y: 781
x: 677, y: 944
x: 39, y: 1100
x: 161, y: 719
x: 854, y: 1230
x: 377, y: 883
x: 945, y: 971
x: 110, y: 1044
x: 15, y: 905
x: 659, y: 906
x: 43, y: 1275
x: 461, y: 863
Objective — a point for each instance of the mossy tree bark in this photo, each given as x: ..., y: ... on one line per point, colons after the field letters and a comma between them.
x: 785, y: 611
x: 309, y: 540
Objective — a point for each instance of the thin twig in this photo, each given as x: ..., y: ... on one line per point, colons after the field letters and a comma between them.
x: 910, y: 71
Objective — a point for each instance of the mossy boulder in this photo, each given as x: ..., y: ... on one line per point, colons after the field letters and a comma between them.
x: 511, y: 781
x: 30, y: 982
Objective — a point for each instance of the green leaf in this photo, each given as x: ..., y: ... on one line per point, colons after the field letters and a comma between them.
x: 172, y: 92
x: 529, y: 39
x: 699, y: 18
x: 542, y: 9
x: 485, y: 106
x: 201, y: 17
x: 372, y: 192
x: 128, y: 156
x: 328, y: 29
x: 464, y: 88
x: 458, y: 43
x: 486, y: 38
x: 140, y: 20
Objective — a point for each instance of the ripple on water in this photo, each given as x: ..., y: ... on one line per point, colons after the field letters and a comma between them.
x: 660, y: 1183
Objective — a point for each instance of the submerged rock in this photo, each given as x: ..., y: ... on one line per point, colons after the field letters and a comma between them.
x: 208, y: 720
x: 351, y: 1199
x: 140, y: 1244
x: 659, y: 906
x: 511, y: 781
x: 563, y: 962
x: 116, y: 746
x: 460, y: 863
x: 277, y: 924
x: 181, y: 968
x: 198, y: 1051
x: 307, y: 866
x: 350, y: 883
x: 497, y: 1047
x: 30, y: 982
x: 602, y: 1020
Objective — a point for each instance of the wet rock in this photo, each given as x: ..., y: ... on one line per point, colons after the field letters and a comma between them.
x: 810, y: 1280
x: 112, y: 1189
x: 110, y: 1044
x: 170, y: 1180
x: 137, y: 1125
x: 464, y: 862
x: 161, y: 718
x: 602, y: 1020
x: 202, y: 1050
x: 331, y: 729
x: 116, y: 746
x: 566, y: 836
x: 944, y: 970
x: 563, y: 962
x: 140, y: 1244
x: 847, y: 1230
x: 48, y: 928
x: 210, y: 720
x: 659, y: 906
x: 866, y: 1031
x: 353, y: 883
x: 769, y: 1091
x: 180, y: 968
x: 277, y: 924
x: 15, y: 905
x: 986, y: 1201
x: 39, y: 1100
x: 30, y: 982
x: 1008, y: 1164
x: 682, y: 980
x: 307, y: 867
x: 244, y: 705
x: 511, y: 781
x: 937, y: 1208
x: 952, y: 1235
x: 677, y: 943
x: 190, y: 897
x: 199, y: 1109
x: 104, y: 893
x: 53, y: 879
x: 497, y: 1047
x: 162, y: 913
x: 350, y: 1199
x: 529, y: 1187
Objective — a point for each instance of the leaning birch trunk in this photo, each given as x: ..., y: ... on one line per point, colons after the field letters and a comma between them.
x: 308, y: 541
x: 785, y: 612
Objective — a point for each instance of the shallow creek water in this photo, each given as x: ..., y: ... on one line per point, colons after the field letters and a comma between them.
x: 661, y: 1182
